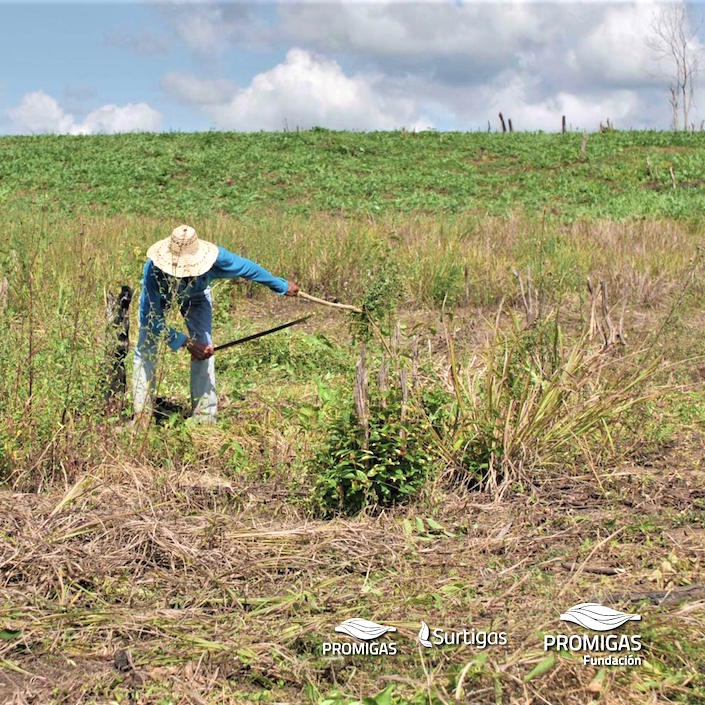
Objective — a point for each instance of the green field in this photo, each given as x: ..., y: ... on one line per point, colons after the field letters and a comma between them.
x: 528, y: 444
x: 622, y: 175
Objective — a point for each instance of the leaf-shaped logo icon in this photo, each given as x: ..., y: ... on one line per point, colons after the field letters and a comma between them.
x: 363, y: 629
x: 599, y: 618
x: 424, y: 634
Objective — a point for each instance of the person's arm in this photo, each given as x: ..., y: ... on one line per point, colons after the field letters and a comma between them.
x: 230, y: 266
x: 152, y: 311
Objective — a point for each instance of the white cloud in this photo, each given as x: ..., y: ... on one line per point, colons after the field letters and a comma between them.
x: 209, y: 28
x: 109, y: 119
x: 616, y: 48
x: 418, y: 30
x: 196, y: 91
x: 523, y: 97
x: 40, y: 113
x: 201, y: 30
x: 584, y: 111
x: 385, y: 64
x: 439, y: 58
x: 590, y: 57
x: 567, y: 43
x: 307, y: 90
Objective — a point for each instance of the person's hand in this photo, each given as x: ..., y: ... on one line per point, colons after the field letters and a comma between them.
x: 293, y: 289
x: 199, y: 350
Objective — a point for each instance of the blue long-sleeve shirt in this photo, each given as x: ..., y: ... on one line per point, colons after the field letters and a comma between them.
x: 158, y: 290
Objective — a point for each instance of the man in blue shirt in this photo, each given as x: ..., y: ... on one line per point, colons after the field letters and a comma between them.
x: 180, y: 268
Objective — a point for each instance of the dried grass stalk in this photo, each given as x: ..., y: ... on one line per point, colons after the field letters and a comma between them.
x: 361, y: 394
x: 4, y: 286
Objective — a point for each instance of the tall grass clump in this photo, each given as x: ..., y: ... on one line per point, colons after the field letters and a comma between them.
x: 537, y: 404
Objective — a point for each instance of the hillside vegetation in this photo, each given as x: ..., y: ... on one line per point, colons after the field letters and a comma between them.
x: 622, y: 175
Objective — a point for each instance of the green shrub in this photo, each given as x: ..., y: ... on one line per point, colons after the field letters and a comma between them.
x: 382, y: 291
x: 388, y: 468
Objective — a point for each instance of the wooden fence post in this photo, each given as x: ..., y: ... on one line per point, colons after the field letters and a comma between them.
x: 395, y: 337
x: 118, y: 344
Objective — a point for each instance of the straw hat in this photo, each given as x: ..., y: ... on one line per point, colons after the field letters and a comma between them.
x: 182, y: 254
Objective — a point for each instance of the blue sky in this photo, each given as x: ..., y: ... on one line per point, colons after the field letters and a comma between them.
x: 108, y: 67
x: 86, y: 55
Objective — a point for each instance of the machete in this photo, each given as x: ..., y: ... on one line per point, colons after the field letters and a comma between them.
x: 260, y: 334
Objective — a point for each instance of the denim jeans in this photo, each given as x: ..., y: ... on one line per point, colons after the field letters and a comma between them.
x: 197, y: 310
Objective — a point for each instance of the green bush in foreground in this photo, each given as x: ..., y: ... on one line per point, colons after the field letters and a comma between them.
x: 387, y: 467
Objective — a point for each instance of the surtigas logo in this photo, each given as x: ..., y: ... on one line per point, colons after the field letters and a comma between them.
x: 598, y: 618
x: 465, y: 637
x: 367, y: 633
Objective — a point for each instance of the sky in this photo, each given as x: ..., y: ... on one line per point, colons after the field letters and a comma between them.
x: 106, y: 67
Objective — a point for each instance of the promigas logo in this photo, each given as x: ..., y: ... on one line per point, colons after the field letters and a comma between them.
x: 599, y: 618
x: 366, y: 633
x: 464, y: 637
x: 592, y: 615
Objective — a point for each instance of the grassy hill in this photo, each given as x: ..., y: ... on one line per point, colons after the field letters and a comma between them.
x: 623, y: 174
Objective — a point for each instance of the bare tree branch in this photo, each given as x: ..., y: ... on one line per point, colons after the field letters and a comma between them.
x: 674, y: 40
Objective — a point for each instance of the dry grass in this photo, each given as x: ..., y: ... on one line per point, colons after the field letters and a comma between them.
x: 214, y: 600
